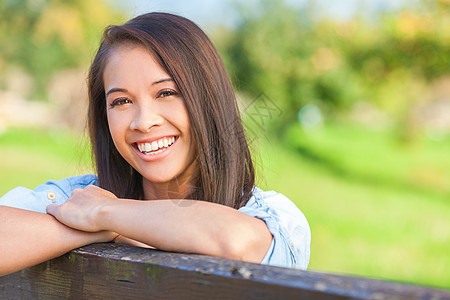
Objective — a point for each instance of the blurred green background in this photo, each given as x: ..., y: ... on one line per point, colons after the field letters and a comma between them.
x: 348, y: 117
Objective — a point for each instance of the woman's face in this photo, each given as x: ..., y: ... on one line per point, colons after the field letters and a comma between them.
x: 147, y: 117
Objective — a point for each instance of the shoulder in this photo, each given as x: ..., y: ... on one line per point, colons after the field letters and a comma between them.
x: 275, y: 204
x: 287, y: 224
x: 273, y: 199
x: 53, y: 191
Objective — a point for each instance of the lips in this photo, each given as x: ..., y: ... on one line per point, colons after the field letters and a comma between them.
x: 156, y: 146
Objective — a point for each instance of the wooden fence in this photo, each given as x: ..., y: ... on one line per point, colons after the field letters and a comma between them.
x: 114, y: 271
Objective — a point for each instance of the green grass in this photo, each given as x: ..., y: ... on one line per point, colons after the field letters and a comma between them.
x: 30, y: 157
x: 370, y: 213
x: 376, y: 208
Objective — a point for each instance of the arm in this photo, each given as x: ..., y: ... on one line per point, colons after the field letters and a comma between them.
x: 124, y: 240
x: 28, y: 238
x: 182, y: 225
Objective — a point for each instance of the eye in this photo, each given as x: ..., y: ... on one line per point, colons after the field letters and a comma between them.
x: 120, y: 101
x: 166, y: 93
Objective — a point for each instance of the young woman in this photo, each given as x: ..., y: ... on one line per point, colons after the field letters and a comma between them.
x: 174, y: 169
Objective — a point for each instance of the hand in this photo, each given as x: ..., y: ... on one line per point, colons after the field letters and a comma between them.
x: 81, y: 210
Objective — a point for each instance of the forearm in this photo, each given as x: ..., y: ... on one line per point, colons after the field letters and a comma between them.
x: 172, y: 225
x: 28, y: 238
x: 188, y: 226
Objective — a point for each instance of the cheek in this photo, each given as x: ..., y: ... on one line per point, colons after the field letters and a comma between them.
x: 183, y: 119
x: 188, y: 131
x: 117, y: 128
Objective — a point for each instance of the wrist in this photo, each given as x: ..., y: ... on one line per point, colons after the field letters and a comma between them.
x: 105, y: 213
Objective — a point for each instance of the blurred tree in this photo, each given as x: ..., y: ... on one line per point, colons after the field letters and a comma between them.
x: 41, y: 37
x: 285, y: 53
x: 406, y: 52
x: 269, y: 53
x: 297, y: 57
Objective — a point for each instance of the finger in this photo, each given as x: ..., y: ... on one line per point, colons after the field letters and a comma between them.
x: 76, y: 191
x: 92, y: 187
x: 52, y: 209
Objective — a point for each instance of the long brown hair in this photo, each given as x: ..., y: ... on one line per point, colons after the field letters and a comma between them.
x: 226, y: 173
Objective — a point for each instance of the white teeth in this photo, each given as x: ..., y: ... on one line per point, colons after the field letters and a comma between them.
x: 155, y: 152
x: 150, y: 148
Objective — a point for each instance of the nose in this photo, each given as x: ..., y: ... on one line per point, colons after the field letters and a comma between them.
x: 146, y: 118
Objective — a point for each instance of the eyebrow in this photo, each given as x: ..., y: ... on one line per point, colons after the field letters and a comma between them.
x: 114, y: 90
x: 162, y: 80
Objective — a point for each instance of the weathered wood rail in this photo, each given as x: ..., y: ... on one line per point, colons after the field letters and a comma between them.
x: 112, y: 271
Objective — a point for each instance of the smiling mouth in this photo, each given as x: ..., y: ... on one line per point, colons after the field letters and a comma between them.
x: 157, y: 146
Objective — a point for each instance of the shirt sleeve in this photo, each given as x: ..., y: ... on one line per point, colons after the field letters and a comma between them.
x: 291, y: 236
x: 52, y: 192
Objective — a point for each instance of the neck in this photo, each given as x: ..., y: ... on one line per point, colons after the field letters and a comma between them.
x: 180, y: 187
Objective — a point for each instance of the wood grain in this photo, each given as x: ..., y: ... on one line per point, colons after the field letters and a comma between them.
x: 116, y: 271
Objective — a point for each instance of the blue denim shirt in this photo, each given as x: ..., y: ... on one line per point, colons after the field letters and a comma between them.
x: 290, y: 245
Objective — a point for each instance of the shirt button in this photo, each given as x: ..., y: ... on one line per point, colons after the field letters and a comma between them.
x: 51, y: 196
